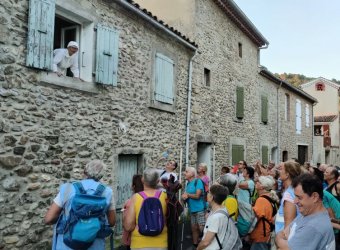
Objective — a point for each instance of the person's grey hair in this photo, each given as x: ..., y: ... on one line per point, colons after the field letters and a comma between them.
x: 204, y: 166
x: 267, y: 182
x: 192, y: 170
x: 151, y: 177
x: 95, y: 169
x: 229, y: 181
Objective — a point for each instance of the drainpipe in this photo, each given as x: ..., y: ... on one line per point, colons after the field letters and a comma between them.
x: 187, y: 134
x: 258, y: 56
x: 278, y: 123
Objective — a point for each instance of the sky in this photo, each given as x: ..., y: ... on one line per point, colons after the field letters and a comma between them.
x: 303, y: 35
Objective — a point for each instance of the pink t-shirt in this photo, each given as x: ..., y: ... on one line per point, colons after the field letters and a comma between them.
x: 206, y: 181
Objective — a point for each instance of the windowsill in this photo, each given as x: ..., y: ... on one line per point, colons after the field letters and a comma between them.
x: 162, y: 106
x: 49, y: 78
x: 238, y: 120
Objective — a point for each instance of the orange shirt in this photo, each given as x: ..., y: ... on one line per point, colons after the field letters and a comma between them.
x: 262, y: 208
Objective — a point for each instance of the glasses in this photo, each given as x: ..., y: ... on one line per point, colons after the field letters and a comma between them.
x: 240, y: 163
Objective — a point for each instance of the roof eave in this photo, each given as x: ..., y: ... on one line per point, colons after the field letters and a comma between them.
x: 242, y: 21
x: 266, y: 73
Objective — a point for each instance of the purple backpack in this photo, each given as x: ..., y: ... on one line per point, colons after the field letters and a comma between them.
x: 151, y: 218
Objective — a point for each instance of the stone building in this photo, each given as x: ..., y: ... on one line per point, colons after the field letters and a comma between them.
x: 130, y: 110
x: 236, y: 111
x: 326, y: 120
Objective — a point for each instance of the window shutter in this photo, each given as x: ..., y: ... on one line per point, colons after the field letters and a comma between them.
x: 164, y: 79
x: 298, y: 116
x: 307, y: 115
x: 239, y: 102
x: 265, y: 155
x: 107, y: 55
x: 40, y: 34
x: 237, y: 154
x: 264, y: 109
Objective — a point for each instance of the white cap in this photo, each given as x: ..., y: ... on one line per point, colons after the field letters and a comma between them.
x: 73, y: 44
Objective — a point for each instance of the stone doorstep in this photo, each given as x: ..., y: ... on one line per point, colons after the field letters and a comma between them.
x: 49, y: 78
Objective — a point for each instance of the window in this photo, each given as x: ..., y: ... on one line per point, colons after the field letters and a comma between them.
x: 264, y: 154
x: 237, y: 153
x: 287, y: 107
x: 51, y: 27
x: 284, y: 155
x: 298, y: 119
x: 317, y: 130
x: 239, y: 102
x: 264, y: 109
x: 320, y: 86
x: 307, y: 115
x: 206, y: 77
x: 240, y: 50
x: 164, y: 79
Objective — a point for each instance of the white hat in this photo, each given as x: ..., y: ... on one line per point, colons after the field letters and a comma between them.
x: 73, y: 44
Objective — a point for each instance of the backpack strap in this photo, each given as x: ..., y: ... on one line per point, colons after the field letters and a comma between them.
x: 100, y: 189
x: 79, y: 187
x: 218, y: 241
x: 272, y: 203
x: 158, y: 194
x: 144, y: 196
x: 162, y: 173
x: 228, y: 216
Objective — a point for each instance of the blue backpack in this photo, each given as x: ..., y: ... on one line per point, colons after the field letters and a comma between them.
x: 87, y: 218
x: 151, y: 218
x: 246, y: 220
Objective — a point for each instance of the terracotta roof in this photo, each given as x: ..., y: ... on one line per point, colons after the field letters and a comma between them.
x: 162, y: 23
x: 325, y: 118
x: 270, y: 76
x: 242, y: 21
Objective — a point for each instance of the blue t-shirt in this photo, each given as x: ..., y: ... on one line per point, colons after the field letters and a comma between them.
x: 63, y: 199
x: 195, y: 205
x: 244, y: 195
x: 312, y: 232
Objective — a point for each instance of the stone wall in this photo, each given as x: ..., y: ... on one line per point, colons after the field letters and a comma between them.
x: 48, y: 133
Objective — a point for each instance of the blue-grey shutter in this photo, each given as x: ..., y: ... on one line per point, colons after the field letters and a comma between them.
x: 164, y: 79
x: 298, y: 116
x: 107, y: 55
x: 127, y: 167
x: 40, y: 34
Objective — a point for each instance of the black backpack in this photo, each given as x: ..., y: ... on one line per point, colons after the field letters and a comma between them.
x: 264, y: 220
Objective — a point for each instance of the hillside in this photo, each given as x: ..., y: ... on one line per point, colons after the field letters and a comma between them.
x: 298, y: 79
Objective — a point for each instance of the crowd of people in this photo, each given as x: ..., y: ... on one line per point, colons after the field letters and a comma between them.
x: 283, y: 206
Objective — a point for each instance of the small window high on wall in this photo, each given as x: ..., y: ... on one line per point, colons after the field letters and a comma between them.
x: 320, y: 86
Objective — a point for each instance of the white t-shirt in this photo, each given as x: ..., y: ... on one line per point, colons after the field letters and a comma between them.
x: 166, y: 175
x: 216, y: 223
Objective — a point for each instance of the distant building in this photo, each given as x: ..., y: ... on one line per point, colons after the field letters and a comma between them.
x: 326, y: 120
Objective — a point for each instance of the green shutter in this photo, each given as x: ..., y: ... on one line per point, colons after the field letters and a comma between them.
x: 237, y: 153
x: 40, y: 34
x: 107, y: 55
x: 265, y: 159
x: 264, y: 109
x: 239, y: 102
x: 164, y: 79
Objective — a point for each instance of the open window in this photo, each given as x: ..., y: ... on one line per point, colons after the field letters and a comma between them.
x: 52, y: 26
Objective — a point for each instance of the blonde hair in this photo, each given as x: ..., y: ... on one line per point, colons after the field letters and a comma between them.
x: 292, y: 168
x: 204, y: 166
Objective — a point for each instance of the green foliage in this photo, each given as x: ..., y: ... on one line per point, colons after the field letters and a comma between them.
x: 294, y: 79
x: 298, y: 79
